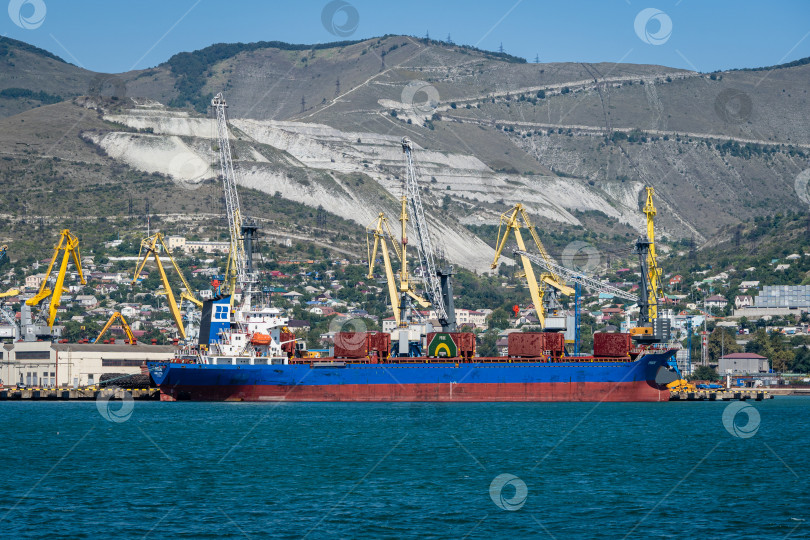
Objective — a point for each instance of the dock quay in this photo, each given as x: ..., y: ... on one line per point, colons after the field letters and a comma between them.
x: 721, y: 395
x: 76, y: 394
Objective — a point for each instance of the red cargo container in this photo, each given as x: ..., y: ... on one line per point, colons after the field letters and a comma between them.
x: 554, y: 342
x: 525, y: 344
x: 288, y: 342
x: 351, y: 344
x: 611, y: 345
x: 533, y: 344
x: 465, y: 344
x: 380, y: 342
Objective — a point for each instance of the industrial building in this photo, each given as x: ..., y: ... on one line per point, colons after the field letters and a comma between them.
x: 783, y: 296
x: 48, y: 364
x: 742, y: 364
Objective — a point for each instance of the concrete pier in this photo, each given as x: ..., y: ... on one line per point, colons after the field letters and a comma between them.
x: 74, y: 394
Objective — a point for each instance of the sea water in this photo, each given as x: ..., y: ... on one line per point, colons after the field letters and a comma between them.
x: 361, y: 470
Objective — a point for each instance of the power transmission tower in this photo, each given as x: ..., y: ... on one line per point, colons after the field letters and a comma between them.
x: 337, y: 86
x: 303, y: 103
x: 500, y: 48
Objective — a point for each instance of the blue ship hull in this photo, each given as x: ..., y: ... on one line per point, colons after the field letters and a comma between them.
x: 421, y: 379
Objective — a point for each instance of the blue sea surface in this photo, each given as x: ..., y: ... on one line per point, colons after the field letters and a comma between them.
x: 335, y: 470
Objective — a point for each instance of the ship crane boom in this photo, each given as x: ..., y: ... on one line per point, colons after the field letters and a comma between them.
x: 237, y: 254
x: 571, y: 275
x: 437, y: 282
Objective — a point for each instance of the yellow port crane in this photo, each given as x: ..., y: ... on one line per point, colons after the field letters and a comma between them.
x: 68, y: 243
x: 511, y: 222
x: 149, y: 248
x: 654, y: 273
x: 381, y: 232
x: 127, y: 330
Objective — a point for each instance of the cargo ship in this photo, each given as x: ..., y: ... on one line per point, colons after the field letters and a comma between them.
x: 248, y: 355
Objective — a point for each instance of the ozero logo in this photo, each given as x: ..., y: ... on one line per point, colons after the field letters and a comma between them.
x: 28, y: 14
x: 732, y: 415
x: 652, y: 18
x: 500, y: 491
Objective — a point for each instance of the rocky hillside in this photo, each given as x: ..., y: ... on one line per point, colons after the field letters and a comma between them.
x: 321, y: 125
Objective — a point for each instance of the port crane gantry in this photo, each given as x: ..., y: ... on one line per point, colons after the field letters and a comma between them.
x: 438, y: 281
x: 511, y: 222
x: 69, y: 244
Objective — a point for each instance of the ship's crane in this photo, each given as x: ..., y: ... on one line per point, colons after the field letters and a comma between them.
x: 68, y: 243
x: 511, y: 222
x: 149, y: 248
x: 577, y: 277
x: 127, y: 330
x: 242, y: 231
x: 438, y: 282
x: 381, y: 232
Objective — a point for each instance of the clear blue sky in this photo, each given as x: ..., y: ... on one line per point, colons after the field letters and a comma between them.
x: 118, y: 35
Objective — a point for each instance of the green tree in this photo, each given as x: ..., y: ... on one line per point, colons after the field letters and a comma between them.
x: 705, y: 373
x: 489, y: 344
x: 499, y: 319
x: 722, y: 341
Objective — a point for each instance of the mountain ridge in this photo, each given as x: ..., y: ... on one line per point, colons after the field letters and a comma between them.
x: 563, y: 138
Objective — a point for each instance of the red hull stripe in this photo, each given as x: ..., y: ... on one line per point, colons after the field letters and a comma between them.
x: 449, y: 392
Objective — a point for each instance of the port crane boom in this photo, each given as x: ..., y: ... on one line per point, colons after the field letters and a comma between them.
x: 573, y: 276
x: 653, y: 272
x: 381, y: 232
x: 511, y: 222
x: 437, y: 281
x: 149, y: 248
x: 127, y: 330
